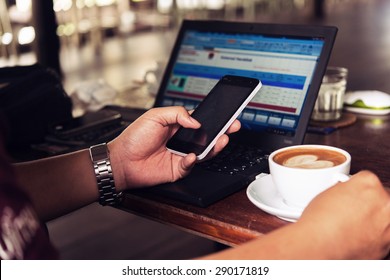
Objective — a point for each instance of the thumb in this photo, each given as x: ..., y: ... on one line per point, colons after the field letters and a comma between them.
x: 175, y: 115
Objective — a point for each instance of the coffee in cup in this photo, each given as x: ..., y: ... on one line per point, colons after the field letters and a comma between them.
x: 302, y: 172
x: 309, y: 158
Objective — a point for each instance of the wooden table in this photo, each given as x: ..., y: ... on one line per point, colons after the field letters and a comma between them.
x: 235, y: 219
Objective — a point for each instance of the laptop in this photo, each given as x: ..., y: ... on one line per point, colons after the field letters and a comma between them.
x: 290, y: 61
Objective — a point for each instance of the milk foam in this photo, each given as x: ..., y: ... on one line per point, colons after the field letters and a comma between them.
x: 307, y: 162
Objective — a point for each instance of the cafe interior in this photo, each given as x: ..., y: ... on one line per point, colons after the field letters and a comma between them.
x: 122, y: 47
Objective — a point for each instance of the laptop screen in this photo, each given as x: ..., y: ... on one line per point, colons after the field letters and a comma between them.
x: 284, y: 63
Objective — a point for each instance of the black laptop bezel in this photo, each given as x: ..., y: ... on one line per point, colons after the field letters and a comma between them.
x: 326, y: 33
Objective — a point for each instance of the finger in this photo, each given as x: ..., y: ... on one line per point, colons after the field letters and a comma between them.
x: 366, y: 178
x: 188, y: 121
x: 234, y: 127
x: 219, y: 146
x: 173, y: 115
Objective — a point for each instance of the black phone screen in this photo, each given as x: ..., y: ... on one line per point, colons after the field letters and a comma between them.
x: 217, y: 108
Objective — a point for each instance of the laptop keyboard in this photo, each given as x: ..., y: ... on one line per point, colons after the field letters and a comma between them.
x: 236, y: 158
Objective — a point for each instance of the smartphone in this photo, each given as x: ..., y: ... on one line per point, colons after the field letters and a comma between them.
x: 215, y: 113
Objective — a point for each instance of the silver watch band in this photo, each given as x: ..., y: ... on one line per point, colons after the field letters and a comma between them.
x: 103, y: 172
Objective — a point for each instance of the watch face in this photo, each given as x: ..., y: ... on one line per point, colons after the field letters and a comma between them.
x: 99, y: 152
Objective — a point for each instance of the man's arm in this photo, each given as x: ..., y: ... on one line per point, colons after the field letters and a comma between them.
x: 139, y: 158
x: 59, y: 185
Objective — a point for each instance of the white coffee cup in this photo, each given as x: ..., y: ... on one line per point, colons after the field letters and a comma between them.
x: 302, y: 172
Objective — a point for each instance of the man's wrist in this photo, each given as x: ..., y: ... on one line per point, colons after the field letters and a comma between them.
x: 104, y: 175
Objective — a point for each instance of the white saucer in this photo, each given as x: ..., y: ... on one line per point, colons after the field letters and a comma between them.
x: 367, y: 111
x: 262, y: 193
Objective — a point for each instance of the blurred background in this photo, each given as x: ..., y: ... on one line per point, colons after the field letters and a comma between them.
x: 118, y: 42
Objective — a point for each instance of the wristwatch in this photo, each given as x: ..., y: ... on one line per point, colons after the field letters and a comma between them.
x: 103, y: 172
